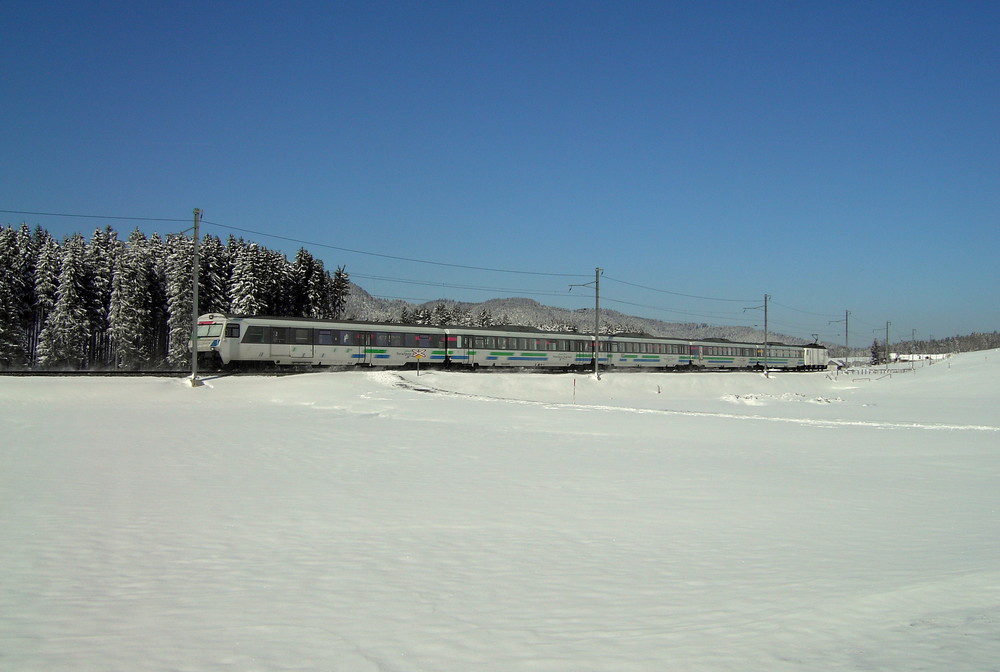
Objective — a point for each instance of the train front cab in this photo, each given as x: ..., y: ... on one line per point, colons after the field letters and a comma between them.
x: 211, y: 339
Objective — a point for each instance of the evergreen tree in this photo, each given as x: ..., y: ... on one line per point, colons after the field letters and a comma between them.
x: 131, y: 311
x: 421, y: 316
x: 179, y: 297
x: 213, y: 275
x: 47, y: 269
x: 157, y: 253
x: 340, y: 288
x: 248, y: 288
x: 302, y: 276
x: 24, y: 268
x: 277, y: 284
x: 66, y: 335
x: 101, y: 254
x: 319, y: 293
x: 876, y: 353
x: 405, y: 316
x: 11, y: 286
x: 441, y: 315
x: 484, y: 319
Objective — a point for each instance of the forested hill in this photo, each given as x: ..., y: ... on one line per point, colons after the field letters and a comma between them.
x: 528, y: 312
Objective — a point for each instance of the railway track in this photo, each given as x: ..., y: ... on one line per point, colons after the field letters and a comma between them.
x: 145, y: 374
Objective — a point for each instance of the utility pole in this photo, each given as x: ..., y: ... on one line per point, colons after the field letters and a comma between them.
x: 887, y: 342
x: 597, y: 321
x: 847, y: 340
x: 597, y: 316
x: 767, y: 346
x: 195, y: 382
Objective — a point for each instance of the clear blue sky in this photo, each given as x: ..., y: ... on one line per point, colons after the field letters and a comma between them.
x: 834, y: 155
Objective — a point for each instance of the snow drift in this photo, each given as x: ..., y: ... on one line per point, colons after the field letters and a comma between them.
x: 388, y: 521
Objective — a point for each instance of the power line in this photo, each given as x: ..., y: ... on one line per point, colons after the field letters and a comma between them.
x: 66, y: 214
x: 806, y: 312
x: 302, y: 242
x: 449, y: 285
x: 397, y: 258
x: 664, y: 291
x: 441, y: 264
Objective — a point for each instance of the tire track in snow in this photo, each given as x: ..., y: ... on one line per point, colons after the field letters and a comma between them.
x: 399, y: 381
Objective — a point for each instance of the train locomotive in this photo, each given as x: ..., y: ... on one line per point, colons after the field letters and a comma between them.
x: 248, y: 342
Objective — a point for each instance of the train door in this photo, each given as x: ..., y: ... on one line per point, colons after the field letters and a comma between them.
x: 696, y: 356
x: 301, y: 343
x: 364, y: 345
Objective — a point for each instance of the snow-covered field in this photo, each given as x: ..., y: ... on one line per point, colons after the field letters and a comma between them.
x: 457, y: 522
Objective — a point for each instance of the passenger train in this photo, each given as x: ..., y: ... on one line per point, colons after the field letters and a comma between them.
x: 233, y: 341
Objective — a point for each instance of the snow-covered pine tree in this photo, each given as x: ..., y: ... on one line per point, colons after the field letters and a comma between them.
x: 876, y: 353
x: 11, y: 286
x: 319, y: 293
x: 484, y: 319
x: 421, y: 316
x: 47, y: 268
x: 277, y: 283
x: 301, y: 275
x: 247, y: 292
x: 66, y: 335
x: 340, y: 289
x: 441, y: 315
x: 213, y: 274
x: 158, y: 287
x: 179, y: 297
x: 132, y: 305
x: 102, y: 252
x: 24, y: 265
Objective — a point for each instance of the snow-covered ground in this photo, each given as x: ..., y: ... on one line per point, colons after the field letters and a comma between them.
x: 456, y: 522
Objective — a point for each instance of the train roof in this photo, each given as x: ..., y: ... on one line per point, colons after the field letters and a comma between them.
x: 505, y: 327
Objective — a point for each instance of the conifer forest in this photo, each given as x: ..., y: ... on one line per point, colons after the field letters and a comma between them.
x: 111, y: 304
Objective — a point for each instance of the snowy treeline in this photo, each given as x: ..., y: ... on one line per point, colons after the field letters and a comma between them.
x: 903, y: 350
x: 108, y: 303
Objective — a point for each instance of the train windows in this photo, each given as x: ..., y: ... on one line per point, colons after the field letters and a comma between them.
x: 324, y: 337
x: 346, y: 338
x: 396, y: 339
x: 478, y: 342
x: 209, y: 330
x: 302, y: 336
x: 418, y: 340
x: 255, y: 334
x: 380, y: 339
x: 232, y: 331
x: 278, y: 335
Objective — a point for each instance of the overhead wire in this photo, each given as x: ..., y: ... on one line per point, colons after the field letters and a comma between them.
x: 394, y: 257
x: 65, y: 214
x: 664, y: 291
x: 714, y: 316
